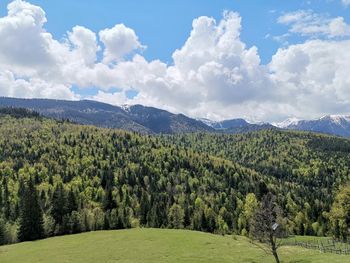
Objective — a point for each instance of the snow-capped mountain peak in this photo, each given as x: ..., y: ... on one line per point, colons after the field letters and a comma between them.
x: 330, y: 124
x: 126, y: 107
x: 207, y: 122
x: 286, y: 123
x: 337, y: 119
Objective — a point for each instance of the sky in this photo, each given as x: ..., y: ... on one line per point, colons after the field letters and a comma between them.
x: 261, y: 60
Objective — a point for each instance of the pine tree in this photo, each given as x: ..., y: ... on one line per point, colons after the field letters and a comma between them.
x: 144, y: 208
x: 7, y: 204
x: 21, y: 188
x: 31, y: 217
x: 0, y: 197
x: 2, y: 232
x: 72, y: 204
x: 59, y: 204
x: 108, y: 202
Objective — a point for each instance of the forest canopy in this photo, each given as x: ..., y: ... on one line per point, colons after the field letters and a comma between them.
x: 85, y: 178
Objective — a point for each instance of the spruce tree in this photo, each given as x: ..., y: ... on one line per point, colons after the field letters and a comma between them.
x: 59, y: 204
x: 108, y: 201
x: 72, y: 204
x: 7, y: 204
x: 31, y: 217
x: 144, y: 207
x: 2, y: 232
x: 0, y: 197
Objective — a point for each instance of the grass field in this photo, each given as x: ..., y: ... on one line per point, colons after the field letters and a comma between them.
x: 153, y: 245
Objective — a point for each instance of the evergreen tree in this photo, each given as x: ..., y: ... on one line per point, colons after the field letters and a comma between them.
x: 72, y: 204
x: 108, y: 202
x: 144, y: 207
x: 59, y: 204
x: 1, y: 205
x: 2, y: 232
x: 75, y: 219
x: 21, y: 188
x: 31, y: 217
x: 7, y: 204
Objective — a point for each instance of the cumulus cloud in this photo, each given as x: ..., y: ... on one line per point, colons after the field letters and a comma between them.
x: 214, y: 74
x: 11, y: 86
x: 316, y: 75
x: 211, y: 72
x: 84, y: 43
x: 119, y: 41
x: 28, y: 51
x: 25, y: 47
x: 213, y: 69
x: 31, y: 60
x: 308, y: 23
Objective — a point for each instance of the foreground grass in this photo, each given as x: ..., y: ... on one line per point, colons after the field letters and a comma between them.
x: 153, y: 245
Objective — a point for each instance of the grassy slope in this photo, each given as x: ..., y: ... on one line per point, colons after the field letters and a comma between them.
x: 153, y: 245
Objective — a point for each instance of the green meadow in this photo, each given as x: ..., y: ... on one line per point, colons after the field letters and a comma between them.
x: 154, y: 245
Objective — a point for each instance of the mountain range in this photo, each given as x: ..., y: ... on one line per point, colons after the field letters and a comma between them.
x: 150, y: 120
x: 236, y: 126
x: 138, y: 118
x: 331, y: 124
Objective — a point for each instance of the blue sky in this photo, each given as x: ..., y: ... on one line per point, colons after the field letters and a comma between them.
x: 173, y: 19
x: 263, y: 60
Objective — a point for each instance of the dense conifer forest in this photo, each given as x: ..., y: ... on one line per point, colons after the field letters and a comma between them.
x: 59, y: 178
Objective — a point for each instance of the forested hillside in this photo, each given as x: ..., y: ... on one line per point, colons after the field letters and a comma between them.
x: 90, y: 178
x: 306, y: 168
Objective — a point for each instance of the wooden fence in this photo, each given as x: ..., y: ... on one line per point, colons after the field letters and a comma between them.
x: 325, y: 246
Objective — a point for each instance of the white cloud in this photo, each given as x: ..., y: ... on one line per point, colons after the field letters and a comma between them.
x: 217, y: 76
x: 214, y: 74
x: 84, y: 44
x: 25, y: 47
x: 214, y: 67
x: 32, y: 88
x: 28, y: 51
x: 308, y: 23
x: 214, y: 71
x: 119, y: 41
x: 315, y: 75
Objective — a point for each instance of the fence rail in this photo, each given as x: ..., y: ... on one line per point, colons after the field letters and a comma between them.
x: 326, y: 246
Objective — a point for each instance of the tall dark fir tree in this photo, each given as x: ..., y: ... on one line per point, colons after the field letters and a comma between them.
x: 31, y: 216
x: 2, y: 232
x: 59, y: 204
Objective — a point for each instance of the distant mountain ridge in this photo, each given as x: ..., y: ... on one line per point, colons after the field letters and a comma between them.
x: 236, y: 126
x: 138, y: 118
x: 331, y: 124
x: 150, y: 120
x: 227, y: 124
